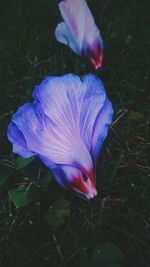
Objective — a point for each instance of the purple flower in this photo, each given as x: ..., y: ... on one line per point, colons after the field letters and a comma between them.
x: 79, y: 31
x: 65, y: 127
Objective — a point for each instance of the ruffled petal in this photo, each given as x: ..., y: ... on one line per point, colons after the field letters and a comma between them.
x: 100, y: 129
x: 93, y: 99
x: 63, y: 118
x: 16, y: 137
x: 79, y: 31
x: 30, y: 126
x: 61, y: 100
x: 63, y: 35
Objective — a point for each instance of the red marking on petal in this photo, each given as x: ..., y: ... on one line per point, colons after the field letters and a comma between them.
x: 79, y: 184
x: 94, y: 54
x: 91, y: 177
x: 96, y: 57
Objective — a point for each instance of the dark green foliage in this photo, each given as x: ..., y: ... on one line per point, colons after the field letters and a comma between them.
x: 40, y: 223
x: 104, y: 255
x: 23, y: 162
x: 4, y: 175
x: 107, y: 255
x: 56, y: 214
x: 22, y: 196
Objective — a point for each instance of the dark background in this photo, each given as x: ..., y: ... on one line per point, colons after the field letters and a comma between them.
x: 112, y: 230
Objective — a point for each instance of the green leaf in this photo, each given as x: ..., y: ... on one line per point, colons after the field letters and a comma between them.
x: 108, y: 255
x: 4, y: 175
x: 22, y: 195
x: 58, y: 213
x: 23, y: 162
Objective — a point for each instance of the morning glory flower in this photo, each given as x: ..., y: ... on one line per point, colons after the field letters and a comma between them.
x: 65, y: 126
x: 79, y: 31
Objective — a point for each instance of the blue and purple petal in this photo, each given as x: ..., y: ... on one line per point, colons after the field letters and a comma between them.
x: 65, y: 126
x: 79, y: 31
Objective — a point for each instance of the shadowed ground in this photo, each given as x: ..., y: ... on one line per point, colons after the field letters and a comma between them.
x: 112, y: 230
